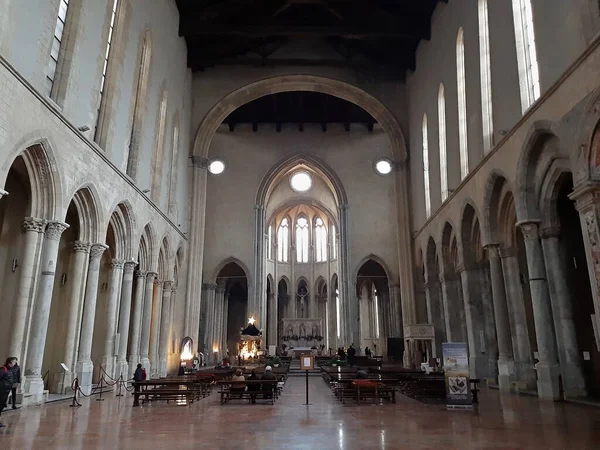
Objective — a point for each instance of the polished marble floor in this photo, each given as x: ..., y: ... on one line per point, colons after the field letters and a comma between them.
x: 502, y: 422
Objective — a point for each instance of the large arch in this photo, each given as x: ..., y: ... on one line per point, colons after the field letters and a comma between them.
x: 86, y: 201
x: 227, y: 261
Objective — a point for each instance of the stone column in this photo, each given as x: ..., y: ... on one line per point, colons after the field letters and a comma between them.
x: 112, y: 298
x: 77, y: 266
x: 475, y: 321
x: 435, y: 314
x: 85, y: 366
x: 124, y: 317
x: 136, y: 321
x: 147, y: 321
x: 34, y: 385
x: 506, y: 362
x: 272, y: 333
x: 451, y: 315
x: 518, y: 322
x: 560, y: 295
x: 225, y: 319
x: 155, y: 329
x: 490, y: 343
x: 163, y: 350
x: 396, y: 328
x: 32, y: 228
x: 209, y: 336
x: 547, y: 368
x: 218, y: 318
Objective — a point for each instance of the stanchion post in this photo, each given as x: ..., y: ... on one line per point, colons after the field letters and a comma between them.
x: 75, y: 386
x: 307, y: 388
x: 100, y: 399
x: 120, y: 382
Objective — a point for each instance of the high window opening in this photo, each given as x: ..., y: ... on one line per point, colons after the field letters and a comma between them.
x: 486, y: 76
x: 442, y: 143
x: 376, y: 306
x: 283, y: 239
x: 462, y: 104
x: 426, y: 168
x: 338, y: 323
x: 320, y: 241
x: 270, y: 242
x: 333, y: 242
x: 55, y: 52
x: 529, y: 77
x: 302, y: 240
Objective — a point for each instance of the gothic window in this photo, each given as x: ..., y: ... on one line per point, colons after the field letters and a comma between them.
x: 486, y: 76
x: 174, y: 163
x: 376, y: 308
x: 107, y: 53
x: 337, y: 313
x: 158, y: 163
x: 426, y: 168
x: 283, y: 239
x: 302, y: 241
x: 333, y: 242
x: 270, y: 242
x: 320, y: 240
x: 529, y: 77
x: 56, y: 47
x: 462, y: 104
x: 442, y: 137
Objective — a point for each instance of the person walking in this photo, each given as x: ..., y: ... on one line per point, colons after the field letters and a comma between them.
x: 138, y: 376
x: 6, y: 382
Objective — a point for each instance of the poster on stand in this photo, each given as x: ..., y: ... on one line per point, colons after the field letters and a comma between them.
x: 456, y: 372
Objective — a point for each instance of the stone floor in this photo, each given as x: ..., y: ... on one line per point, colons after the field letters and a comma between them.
x: 502, y: 422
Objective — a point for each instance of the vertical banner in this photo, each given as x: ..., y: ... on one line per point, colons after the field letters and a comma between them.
x: 456, y: 372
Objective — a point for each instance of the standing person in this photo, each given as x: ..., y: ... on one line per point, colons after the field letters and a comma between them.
x: 6, y: 382
x: 351, y: 355
x: 16, y: 370
x: 138, y: 375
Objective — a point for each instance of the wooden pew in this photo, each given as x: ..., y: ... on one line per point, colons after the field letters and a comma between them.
x: 263, y: 390
x: 166, y: 389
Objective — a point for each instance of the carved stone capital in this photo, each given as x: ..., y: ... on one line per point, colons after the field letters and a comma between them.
x: 157, y: 282
x: 55, y: 229
x: 81, y: 247
x: 586, y: 195
x: 493, y: 250
x: 140, y: 274
x: 199, y: 162
x: 209, y: 286
x: 150, y: 276
x: 550, y: 232
x: 97, y: 250
x: 33, y: 224
x: 129, y: 267
x: 530, y: 229
x: 167, y: 284
x: 117, y: 264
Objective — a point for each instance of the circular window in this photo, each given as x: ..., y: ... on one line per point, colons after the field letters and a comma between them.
x: 216, y: 167
x: 301, y: 181
x: 383, y: 166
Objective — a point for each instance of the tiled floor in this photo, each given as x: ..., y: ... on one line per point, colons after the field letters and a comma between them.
x: 502, y: 422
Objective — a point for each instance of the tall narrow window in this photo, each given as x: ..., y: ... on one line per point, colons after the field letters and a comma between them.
x: 338, y: 319
x: 529, y: 76
x: 320, y: 240
x: 174, y: 168
x: 109, y: 42
x: 426, y: 168
x: 376, y: 301
x: 158, y: 156
x: 56, y: 45
x: 442, y: 132
x: 462, y: 104
x: 302, y: 240
x: 333, y: 242
x: 283, y: 240
x: 270, y: 242
x: 486, y: 76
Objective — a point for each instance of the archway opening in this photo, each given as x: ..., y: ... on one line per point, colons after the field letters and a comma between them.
x: 372, y: 290
x: 232, y: 283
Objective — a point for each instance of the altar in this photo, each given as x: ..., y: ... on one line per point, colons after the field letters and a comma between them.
x: 302, y: 335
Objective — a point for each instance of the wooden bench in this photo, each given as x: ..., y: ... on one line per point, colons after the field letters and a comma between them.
x: 362, y: 390
x: 253, y: 390
x: 166, y: 389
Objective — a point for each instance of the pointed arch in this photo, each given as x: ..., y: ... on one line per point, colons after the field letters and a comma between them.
x: 85, y: 200
x: 378, y: 260
x: 496, y: 187
x: 227, y: 261
x: 123, y: 224
x: 472, y: 250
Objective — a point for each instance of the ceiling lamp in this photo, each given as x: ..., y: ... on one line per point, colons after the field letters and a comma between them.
x: 216, y: 166
x: 383, y: 166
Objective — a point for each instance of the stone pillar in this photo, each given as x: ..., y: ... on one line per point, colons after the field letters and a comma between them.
x: 547, y: 368
x: 490, y: 343
x: 518, y: 322
x: 272, y: 333
x: 218, y: 319
x: 163, y: 350
x: 395, y: 322
x: 124, y: 317
x: 453, y: 319
x: 112, y: 298
x: 209, y: 300
x: 136, y: 321
x: 155, y: 328
x: 435, y: 313
x: 147, y: 321
x: 32, y: 228
x: 34, y: 385
x: 560, y: 295
x: 475, y: 321
x: 506, y: 362
x: 85, y: 366
x: 77, y: 275
x: 225, y: 319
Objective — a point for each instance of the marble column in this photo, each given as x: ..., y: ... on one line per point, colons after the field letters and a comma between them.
x: 124, y: 318
x: 562, y: 305
x: 85, y: 366
x: 475, y: 321
x: 435, y: 313
x: 77, y: 276
x: 506, y: 362
x: 272, y: 333
x: 112, y: 299
x: 225, y: 319
x: 155, y: 329
x: 209, y: 326
x: 147, y: 321
x: 219, y: 317
x: 136, y: 321
x: 32, y: 228
x: 34, y: 385
x: 163, y: 348
x: 525, y: 375
x: 491, y: 342
x: 548, y: 369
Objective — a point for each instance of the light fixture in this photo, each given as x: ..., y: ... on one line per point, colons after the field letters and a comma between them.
x: 146, y: 191
x: 84, y: 128
x: 383, y: 166
x: 15, y: 264
x: 301, y: 181
x: 251, y: 320
x: 216, y: 166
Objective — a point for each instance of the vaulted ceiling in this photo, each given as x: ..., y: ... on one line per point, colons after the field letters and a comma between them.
x: 375, y: 35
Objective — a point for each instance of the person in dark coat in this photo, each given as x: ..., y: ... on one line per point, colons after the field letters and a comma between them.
x: 138, y: 375
x: 351, y: 355
x: 269, y: 376
x: 16, y: 370
x: 7, y: 381
x: 253, y: 386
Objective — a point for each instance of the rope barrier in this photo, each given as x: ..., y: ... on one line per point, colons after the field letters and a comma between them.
x: 75, y: 388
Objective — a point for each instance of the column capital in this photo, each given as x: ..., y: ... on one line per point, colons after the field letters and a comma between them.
x: 493, y: 250
x: 167, y: 284
x: 150, y: 276
x: 174, y: 290
x: 117, y: 264
x: 129, y: 266
x: 96, y: 250
x: 586, y: 195
x: 530, y: 228
x: 54, y: 229
x: 199, y: 162
x: 140, y: 274
x: 157, y: 282
x: 209, y: 286
x: 33, y: 224
x: 508, y: 252
x: 81, y: 247
x: 550, y: 232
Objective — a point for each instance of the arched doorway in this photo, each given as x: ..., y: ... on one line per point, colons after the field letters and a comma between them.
x: 372, y: 290
x: 282, y: 305
x: 231, y: 308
